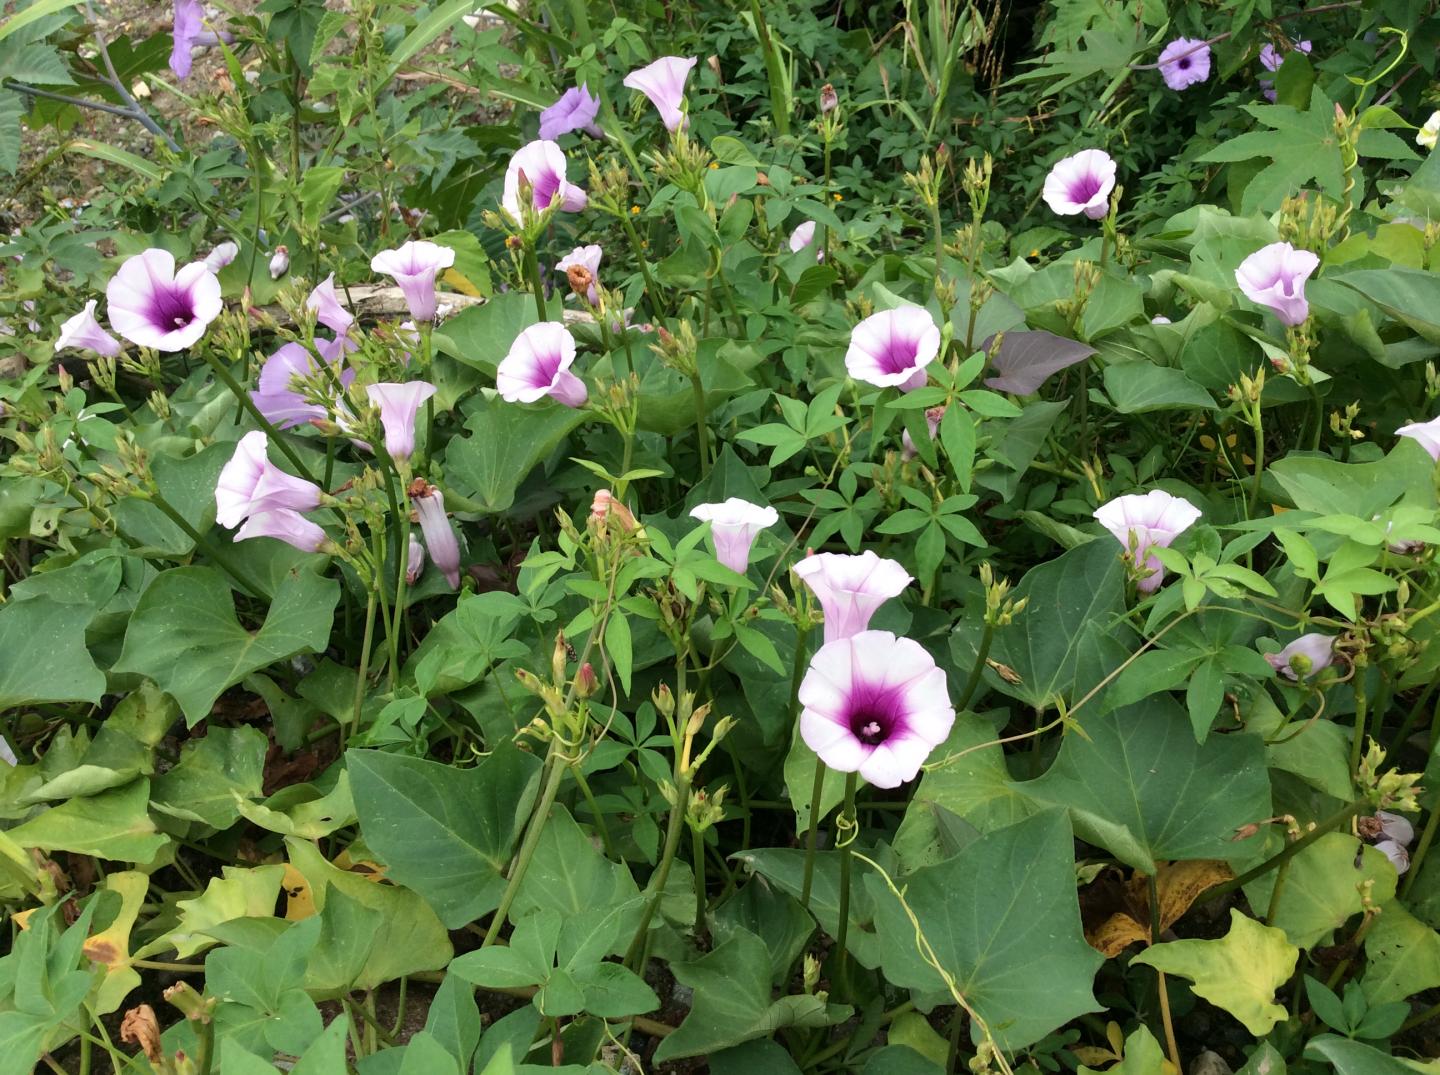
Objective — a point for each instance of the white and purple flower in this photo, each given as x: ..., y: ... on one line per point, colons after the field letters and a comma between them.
x: 440, y: 537
x: 1274, y: 276
x: 733, y: 526
x: 802, y: 237
x: 1081, y: 183
x: 84, y: 333
x: 1143, y: 523
x: 851, y: 589
x: 1184, y: 62
x: 398, y: 405
x: 283, y: 524
x: 893, y: 347
x: 250, y: 484
x: 276, y: 396
x: 414, y: 267
x: 875, y: 704
x: 1425, y: 434
x: 1304, y: 657
x: 574, y: 111
x: 538, y: 365
x: 221, y: 256
x: 540, y: 166
x: 664, y: 83
x: 152, y: 305
x: 329, y: 310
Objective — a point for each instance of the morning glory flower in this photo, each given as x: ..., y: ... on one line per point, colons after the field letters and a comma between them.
x: 575, y: 111
x: 429, y: 505
x: 851, y: 589
x: 276, y: 397
x: 664, y: 83
x: 250, y: 484
x: 733, y: 526
x: 542, y: 166
x: 802, y: 236
x: 1303, y: 657
x: 399, y: 404
x: 587, y: 258
x: 221, y: 256
x: 84, y: 333
x: 875, y: 704
x: 1185, y: 62
x: 933, y: 415
x: 329, y: 310
x: 1428, y: 135
x: 152, y: 305
x: 1081, y: 184
x: 283, y: 524
x: 189, y: 24
x: 1426, y: 434
x: 415, y: 561
x: 414, y: 267
x: 1142, y: 523
x: 893, y: 347
x: 1274, y: 276
x: 538, y: 365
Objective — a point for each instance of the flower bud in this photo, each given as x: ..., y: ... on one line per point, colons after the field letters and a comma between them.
x: 586, y: 682
x: 828, y: 99
x: 279, y: 262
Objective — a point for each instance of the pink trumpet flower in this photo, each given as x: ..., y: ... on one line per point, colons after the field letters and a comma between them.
x: 1144, y: 523
x: 84, y: 333
x: 893, y: 347
x: 250, y: 484
x: 733, y: 527
x: 664, y: 83
x: 851, y: 589
x: 414, y: 267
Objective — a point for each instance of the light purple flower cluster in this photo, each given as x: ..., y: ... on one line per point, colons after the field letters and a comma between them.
x: 268, y: 502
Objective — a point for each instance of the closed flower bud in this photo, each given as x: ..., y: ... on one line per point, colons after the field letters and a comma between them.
x: 828, y: 99
x: 279, y: 263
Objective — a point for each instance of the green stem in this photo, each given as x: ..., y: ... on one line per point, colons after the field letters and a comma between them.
x: 1274, y: 905
x: 364, y: 662
x: 774, y: 72
x: 594, y: 811
x: 978, y: 669
x: 1358, y: 739
x: 532, y: 270
x: 650, y: 288
x: 555, y: 773
x: 698, y: 850
x: 656, y: 887
x: 1334, y: 821
x: 205, y: 545
x: 1421, y: 849
x: 228, y: 380
x: 702, y: 431
x: 205, y: 1050
x: 845, y: 840
x: 1259, y: 460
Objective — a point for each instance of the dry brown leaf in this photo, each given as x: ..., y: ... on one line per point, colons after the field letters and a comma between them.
x: 1179, y: 884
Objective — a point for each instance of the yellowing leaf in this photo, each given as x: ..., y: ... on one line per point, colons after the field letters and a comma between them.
x: 111, y: 946
x: 1239, y: 972
x: 239, y: 893
x: 299, y: 896
x: 1143, y: 1056
x: 461, y: 283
